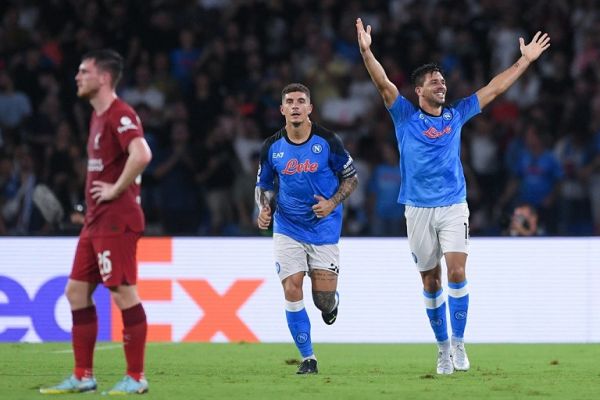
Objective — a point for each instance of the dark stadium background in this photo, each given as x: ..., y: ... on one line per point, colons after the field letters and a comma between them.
x: 206, y: 75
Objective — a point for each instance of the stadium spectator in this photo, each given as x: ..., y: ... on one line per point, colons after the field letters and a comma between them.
x: 315, y: 174
x: 433, y: 184
x: 524, y: 221
x: 536, y: 179
x: 175, y: 167
x: 114, y: 221
x: 574, y: 151
x: 217, y: 170
x: 386, y: 215
x: 15, y: 109
x: 143, y: 91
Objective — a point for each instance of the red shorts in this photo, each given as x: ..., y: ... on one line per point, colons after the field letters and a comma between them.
x: 107, y: 259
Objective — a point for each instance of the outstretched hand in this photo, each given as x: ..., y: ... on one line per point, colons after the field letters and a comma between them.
x: 536, y: 47
x: 364, y: 36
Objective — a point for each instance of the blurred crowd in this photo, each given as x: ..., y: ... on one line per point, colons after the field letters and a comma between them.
x: 205, y: 76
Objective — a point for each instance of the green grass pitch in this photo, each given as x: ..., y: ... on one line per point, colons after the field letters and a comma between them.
x: 347, y: 371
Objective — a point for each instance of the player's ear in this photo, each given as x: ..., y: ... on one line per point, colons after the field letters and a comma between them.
x: 105, y: 78
x: 310, y: 108
x: 418, y: 90
x: 281, y: 109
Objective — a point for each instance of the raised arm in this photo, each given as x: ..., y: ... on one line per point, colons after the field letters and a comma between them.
x: 502, y: 81
x: 386, y: 88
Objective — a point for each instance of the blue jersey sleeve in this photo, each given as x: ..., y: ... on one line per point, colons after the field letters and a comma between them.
x: 468, y: 108
x: 265, y: 178
x: 400, y: 111
x: 340, y: 160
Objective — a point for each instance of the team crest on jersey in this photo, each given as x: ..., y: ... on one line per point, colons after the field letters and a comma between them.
x: 317, y: 148
x: 447, y: 116
x: 126, y: 124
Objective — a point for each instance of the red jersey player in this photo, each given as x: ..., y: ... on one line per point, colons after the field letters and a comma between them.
x: 114, y: 221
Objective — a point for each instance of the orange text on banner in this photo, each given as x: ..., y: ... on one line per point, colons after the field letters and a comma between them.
x: 220, y: 311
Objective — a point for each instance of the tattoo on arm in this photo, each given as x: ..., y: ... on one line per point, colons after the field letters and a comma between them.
x: 347, y: 186
x: 263, y: 197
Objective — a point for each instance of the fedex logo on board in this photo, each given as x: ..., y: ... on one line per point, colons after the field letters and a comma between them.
x: 216, y: 311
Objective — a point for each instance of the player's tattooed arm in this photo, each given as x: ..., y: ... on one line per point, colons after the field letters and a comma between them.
x: 324, y: 206
x: 263, y: 197
x: 346, y: 188
x: 263, y: 201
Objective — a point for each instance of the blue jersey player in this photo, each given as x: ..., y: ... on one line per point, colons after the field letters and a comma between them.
x: 433, y: 184
x: 311, y: 172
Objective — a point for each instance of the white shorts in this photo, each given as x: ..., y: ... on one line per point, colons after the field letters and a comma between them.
x: 292, y: 256
x: 432, y: 232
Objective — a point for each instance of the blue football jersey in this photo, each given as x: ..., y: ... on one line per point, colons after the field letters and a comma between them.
x: 300, y: 172
x: 432, y: 174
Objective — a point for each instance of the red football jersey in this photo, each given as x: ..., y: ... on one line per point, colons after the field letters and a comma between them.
x: 110, y: 134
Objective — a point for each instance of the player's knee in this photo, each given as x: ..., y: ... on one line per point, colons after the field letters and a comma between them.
x: 324, y: 301
x: 77, y: 298
x: 456, y: 274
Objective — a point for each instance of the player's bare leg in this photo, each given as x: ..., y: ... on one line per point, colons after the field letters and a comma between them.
x: 325, y: 295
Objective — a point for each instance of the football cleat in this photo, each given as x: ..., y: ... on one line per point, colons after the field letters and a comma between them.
x: 444, y: 363
x: 128, y: 385
x: 308, y: 366
x: 72, y: 385
x: 459, y: 357
x: 330, y: 317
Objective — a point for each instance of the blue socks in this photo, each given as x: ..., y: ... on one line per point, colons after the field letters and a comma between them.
x: 436, y: 311
x: 299, y: 325
x: 458, y: 304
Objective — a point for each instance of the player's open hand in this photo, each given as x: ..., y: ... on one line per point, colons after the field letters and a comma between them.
x: 536, y: 47
x: 264, y: 218
x: 103, y: 191
x: 323, y: 208
x: 364, y: 36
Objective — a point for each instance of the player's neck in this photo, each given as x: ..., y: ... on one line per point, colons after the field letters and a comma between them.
x: 102, y: 101
x: 431, y: 109
x: 300, y: 133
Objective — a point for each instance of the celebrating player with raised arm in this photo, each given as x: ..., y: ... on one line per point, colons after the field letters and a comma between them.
x: 314, y: 174
x: 433, y: 184
x: 114, y: 221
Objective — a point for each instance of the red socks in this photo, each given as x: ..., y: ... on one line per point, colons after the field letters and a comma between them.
x: 85, y: 330
x: 134, y: 339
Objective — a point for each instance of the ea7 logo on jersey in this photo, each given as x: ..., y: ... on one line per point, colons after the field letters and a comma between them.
x: 126, y: 124
x: 278, y: 154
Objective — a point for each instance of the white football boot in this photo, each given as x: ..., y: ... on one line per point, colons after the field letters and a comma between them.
x: 459, y: 356
x: 444, y: 362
